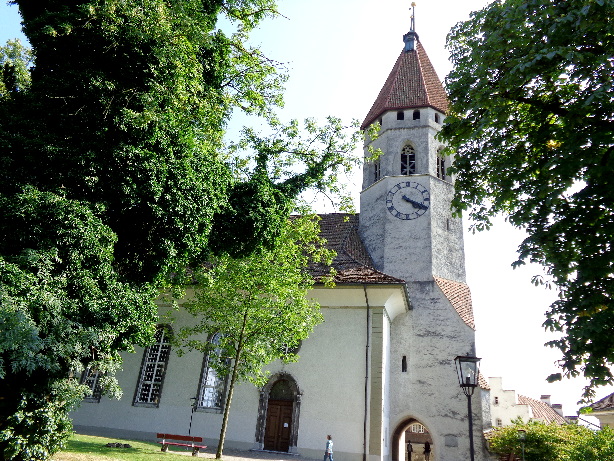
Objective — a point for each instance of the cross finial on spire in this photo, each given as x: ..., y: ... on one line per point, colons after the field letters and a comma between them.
x: 411, y: 37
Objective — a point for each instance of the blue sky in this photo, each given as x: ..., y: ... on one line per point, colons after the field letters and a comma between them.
x: 339, y: 54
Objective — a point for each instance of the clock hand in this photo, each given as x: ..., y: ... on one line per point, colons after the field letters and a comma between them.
x: 414, y: 203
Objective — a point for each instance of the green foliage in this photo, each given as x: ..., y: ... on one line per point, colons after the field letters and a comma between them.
x: 15, y: 59
x: 531, y: 124
x: 259, y: 304
x: 569, y: 442
x: 112, y: 175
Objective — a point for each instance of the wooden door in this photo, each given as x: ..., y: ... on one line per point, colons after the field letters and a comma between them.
x: 278, y: 425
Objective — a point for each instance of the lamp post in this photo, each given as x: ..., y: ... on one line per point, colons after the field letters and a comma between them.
x: 522, y: 436
x: 468, y: 369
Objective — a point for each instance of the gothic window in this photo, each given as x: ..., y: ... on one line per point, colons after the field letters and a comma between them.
x: 400, y: 115
x: 91, y: 379
x: 153, y: 369
x: 416, y: 114
x: 377, y: 170
x: 212, y: 386
x: 441, y: 166
x: 408, y: 160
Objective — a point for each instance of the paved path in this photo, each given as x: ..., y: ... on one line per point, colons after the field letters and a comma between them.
x: 239, y: 455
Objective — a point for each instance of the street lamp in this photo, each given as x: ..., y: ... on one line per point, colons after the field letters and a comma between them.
x: 468, y: 369
x: 522, y: 436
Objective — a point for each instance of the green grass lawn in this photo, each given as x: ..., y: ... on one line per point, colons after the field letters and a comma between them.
x: 90, y: 448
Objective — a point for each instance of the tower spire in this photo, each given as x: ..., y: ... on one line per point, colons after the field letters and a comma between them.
x: 411, y: 37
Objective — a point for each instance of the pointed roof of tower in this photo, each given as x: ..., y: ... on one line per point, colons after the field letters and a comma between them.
x: 412, y: 83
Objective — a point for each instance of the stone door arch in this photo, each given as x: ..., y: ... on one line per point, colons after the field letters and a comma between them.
x: 278, y: 414
x: 413, y: 431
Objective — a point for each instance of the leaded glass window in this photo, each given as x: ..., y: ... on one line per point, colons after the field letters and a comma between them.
x: 155, y: 359
x: 212, y: 386
x: 408, y: 160
x: 91, y: 378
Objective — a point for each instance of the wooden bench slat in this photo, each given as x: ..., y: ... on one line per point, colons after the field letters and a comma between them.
x: 185, y: 438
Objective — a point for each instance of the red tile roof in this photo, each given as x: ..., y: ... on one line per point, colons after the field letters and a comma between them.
x: 606, y: 403
x: 459, y: 295
x: 352, y: 263
x: 541, y: 410
x: 412, y: 83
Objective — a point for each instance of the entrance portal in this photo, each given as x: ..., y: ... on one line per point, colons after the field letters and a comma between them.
x: 277, y: 428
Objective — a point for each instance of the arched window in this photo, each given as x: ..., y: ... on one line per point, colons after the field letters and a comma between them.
x: 441, y: 166
x: 400, y: 115
x: 153, y: 369
x: 408, y: 160
x: 91, y: 379
x: 436, y: 117
x: 212, y: 387
x: 416, y: 114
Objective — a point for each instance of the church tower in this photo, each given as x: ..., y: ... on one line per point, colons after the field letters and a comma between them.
x: 409, y: 230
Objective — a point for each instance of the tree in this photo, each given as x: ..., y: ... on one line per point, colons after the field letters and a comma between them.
x: 114, y: 179
x: 532, y: 126
x: 568, y: 442
x: 257, y: 305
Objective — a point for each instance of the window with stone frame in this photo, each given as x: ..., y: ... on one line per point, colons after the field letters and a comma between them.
x: 212, y: 387
x: 441, y: 166
x: 91, y: 378
x: 408, y: 160
x: 416, y: 428
x: 377, y: 170
x: 153, y: 369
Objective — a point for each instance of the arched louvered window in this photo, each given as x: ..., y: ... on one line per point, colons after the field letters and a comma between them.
x: 408, y: 160
x: 212, y: 387
x: 153, y: 369
x: 416, y: 114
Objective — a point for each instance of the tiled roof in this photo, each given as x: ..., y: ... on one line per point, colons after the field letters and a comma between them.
x: 459, y: 295
x: 541, y: 410
x: 606, y: 403
x: 352, y: 263
x: 412, y: 83
x: 483, y: 382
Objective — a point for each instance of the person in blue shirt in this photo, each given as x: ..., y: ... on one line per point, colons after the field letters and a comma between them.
x: 328, y: 451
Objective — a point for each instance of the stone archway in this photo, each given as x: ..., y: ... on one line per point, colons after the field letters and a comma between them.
x: 278, y: 414
x: 413, y: 431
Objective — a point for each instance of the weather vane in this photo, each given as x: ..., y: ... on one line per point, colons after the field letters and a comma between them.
x: 413, y: 10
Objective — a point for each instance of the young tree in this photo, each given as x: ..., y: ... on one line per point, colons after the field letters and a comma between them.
x: 112, y: 177
x: 257, y: 305
x: 568, y: 442
x: 532, y: 125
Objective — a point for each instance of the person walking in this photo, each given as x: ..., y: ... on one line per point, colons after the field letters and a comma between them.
x: 328, y: 451
x: 427, y: 451
x: 409, y: 451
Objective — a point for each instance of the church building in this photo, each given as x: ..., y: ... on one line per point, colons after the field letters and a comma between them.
x: 378, y: 373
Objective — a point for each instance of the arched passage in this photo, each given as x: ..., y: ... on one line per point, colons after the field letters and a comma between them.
x: 278, y: 414
x: 414, y: 432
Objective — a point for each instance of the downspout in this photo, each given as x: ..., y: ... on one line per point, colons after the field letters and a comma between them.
x: 367, y: 352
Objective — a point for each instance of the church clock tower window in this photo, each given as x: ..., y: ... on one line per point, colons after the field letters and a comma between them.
x: 416, y: 114
x: 400, y: 115
x: 408, y: 160
x: 441, y: 166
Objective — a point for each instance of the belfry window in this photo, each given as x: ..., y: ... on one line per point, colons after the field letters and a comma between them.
x: 400, y: 115
x: 416, y: 114
x: 408, y: 160
x: 153, y: 369
x: 441, y: 166
x: 377, y: 170
x: 212, y: 386
x: 436, y: 117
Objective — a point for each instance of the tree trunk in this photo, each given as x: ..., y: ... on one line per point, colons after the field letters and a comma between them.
x: 231, y: 387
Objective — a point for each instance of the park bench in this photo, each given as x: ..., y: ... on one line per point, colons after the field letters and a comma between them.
x: 187, y: 441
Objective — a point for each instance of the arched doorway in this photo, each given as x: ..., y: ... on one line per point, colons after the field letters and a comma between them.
x: 412, y: 432
x: 278, y: 414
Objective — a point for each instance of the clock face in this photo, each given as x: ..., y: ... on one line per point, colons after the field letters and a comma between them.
x: 408, y: 200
